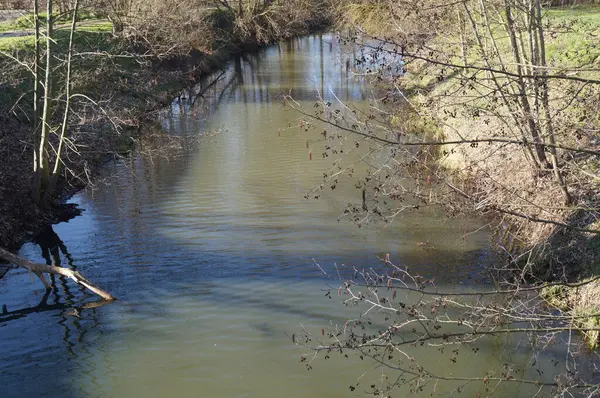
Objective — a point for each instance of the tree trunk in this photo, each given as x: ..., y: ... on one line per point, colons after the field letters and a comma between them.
x: 526, y: 106
x: 49, y: 192
x: 513, y: 112
x: 36, y: 85
x: 42, y: 174
x: 546, y: 104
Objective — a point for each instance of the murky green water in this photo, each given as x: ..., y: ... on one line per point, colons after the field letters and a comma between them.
x: 210, y: 254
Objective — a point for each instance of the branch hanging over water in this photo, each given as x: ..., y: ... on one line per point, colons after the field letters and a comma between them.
x: 41, y: 269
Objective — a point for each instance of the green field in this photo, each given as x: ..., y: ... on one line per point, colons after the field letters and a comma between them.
x: 93, y: 32
x: 574, y: 36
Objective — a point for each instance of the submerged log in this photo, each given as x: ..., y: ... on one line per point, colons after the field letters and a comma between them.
x: 41, y: 269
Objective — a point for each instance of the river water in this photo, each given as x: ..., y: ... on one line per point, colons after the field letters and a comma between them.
x: 211, y: 253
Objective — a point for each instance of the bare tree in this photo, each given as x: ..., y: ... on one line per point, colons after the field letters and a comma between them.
x: 46, y: 178
x: 173, y: 27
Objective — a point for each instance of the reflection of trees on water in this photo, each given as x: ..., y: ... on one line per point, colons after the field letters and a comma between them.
x: 51, y: 249
x: 51, y: 246
x: 61, y: 298
x: 3, y: 270
x: 43, y: 305
x: 299, y: 67
x: 63, y: 306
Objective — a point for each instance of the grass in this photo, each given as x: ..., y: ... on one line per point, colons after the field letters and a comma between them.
x: 26, y: 21
x: 573, y: 36
x: 22, y: 43
x: 86, y: 34
x: 100, y: 26
x: 587, y: 12
x: 589, y: 322
x: 97, y: 39
x: 572, y: 41
x: 556, y: 296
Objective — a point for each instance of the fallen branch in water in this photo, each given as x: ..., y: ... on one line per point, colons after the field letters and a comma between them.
x: 41, y: 269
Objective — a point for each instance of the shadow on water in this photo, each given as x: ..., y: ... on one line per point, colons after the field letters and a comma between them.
x: 73, y: 330
x: 65, y: 306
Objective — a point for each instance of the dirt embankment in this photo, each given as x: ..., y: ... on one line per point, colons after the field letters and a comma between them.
x: 540, y: 232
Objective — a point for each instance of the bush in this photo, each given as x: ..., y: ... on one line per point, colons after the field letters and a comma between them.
x: 178, y: 26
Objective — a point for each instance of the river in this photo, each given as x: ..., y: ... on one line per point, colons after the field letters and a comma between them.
x: 210, y: 252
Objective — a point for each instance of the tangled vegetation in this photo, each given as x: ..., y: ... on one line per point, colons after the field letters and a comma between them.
x: 496, y: 102
x: 211, y: 25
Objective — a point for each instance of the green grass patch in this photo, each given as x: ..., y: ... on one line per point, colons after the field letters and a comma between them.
x: 586, y: 320
x: 590, y: 13
x: 103, y: 26
x: 96, y: 36
x: 26, y: 22
x: 573, y: 36
x: 556, y: 296
x: 584, y: 315
x: 17, y: 43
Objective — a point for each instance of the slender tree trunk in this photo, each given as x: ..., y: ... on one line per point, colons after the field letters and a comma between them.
x: 514, y: 93
x: 535, y: 60
x: 57, y: 164
x: 533, y: 127
x: 546, y: 103
x: 528, y: 153
x: 36, y: 84
x: 463, y: 50
x: 42, y: 171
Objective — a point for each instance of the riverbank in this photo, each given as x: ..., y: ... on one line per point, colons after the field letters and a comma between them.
x: 547, y: 228
x: 547, y: 236
x: 97, y: 137
x: 542, y: 236
x: 498, y: 80
x: 121, y: 84
x: 210, y: 255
